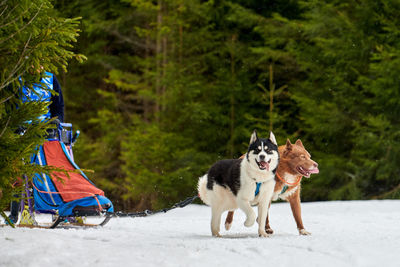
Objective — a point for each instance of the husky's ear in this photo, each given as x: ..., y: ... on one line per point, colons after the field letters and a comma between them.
x: 288, y: 148
x: 272, y: 138
x: 253, y: 137
x: 299, y: 143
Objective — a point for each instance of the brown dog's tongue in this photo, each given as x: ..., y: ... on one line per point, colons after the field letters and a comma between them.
x: 315, y: 171
x: 265, y: 165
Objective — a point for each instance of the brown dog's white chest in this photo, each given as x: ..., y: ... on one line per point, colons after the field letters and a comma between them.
x: 290, y: 191
x: 280, y: 192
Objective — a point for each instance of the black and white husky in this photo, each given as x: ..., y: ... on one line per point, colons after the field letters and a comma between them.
x: 231, y: 183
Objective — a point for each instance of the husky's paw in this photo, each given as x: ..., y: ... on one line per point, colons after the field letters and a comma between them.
x: 304, y: 232
x: 269, y: 231
x: 228, y: 226
x: 216, y: 234
x: 250, y: 220
x: 262, y: 233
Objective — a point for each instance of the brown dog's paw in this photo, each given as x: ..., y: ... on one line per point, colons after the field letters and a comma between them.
x: 304, y: 232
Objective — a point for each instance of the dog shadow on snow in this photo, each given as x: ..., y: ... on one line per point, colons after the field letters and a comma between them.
x: 239, y: 236
x: 243, y: 236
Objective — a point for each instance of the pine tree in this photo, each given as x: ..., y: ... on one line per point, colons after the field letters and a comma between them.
x: 377, y: 152
x: 32, y: 37
x: 342, y: 91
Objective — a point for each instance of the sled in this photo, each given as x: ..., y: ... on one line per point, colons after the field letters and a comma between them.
x: 67, y: 194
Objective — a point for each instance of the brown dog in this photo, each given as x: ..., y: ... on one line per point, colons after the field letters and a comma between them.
x: 295, y: 162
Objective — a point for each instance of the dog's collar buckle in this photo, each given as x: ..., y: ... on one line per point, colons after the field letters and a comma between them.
x: 285, y: 187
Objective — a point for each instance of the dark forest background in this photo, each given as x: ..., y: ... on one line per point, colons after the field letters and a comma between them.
x: 171, y: 86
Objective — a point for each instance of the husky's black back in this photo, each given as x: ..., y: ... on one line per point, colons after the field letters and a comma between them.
x: 225, y: 173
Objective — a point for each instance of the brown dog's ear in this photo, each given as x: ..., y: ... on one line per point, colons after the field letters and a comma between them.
x: 288, y: 144
x: 288, y: 148
x: 299, y: 143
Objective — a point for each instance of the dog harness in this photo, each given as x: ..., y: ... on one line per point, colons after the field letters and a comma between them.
x: 258, y: 185
x: 285, y: 187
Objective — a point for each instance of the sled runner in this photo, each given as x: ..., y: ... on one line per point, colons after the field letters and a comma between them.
x: 69, y: 194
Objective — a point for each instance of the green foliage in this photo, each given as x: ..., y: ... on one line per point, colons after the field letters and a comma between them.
x: 32, y: 37
x: 172, y: 86
x: 160, y: 167
x: 340, y: 48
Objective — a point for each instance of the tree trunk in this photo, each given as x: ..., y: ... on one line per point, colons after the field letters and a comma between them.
x: 158, y: 59
x: 164, y: 69
x: 180, y: 43
x: 232, y: 99
x: 271, y: 97
x: 146, y: 102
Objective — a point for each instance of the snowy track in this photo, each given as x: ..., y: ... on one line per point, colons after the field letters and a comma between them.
x: 353, y: 233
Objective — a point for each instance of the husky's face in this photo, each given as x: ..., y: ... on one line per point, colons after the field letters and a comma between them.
x: 299, y: 160
x: 263, y: 153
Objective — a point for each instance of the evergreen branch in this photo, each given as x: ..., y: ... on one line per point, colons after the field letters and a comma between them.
x: 5, y: 127
x: 7, y: 219
x: 6, y: 99
x: 4, y: 10
x: 14, y: 20
x: 11, y: 11
x: 7, y: 83
x: 23, y: 28
x: 16, y: 67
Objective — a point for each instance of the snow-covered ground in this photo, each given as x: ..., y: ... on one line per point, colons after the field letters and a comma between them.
x: 352, y: 233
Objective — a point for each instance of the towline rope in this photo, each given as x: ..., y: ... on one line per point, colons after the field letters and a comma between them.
x: 146, y: 213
